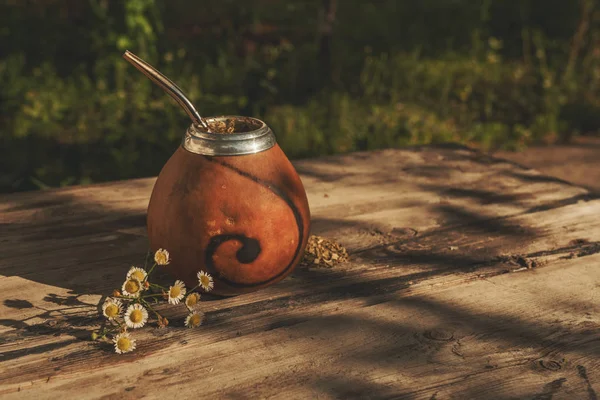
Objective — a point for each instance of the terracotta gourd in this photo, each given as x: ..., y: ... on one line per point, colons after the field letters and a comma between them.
x: 242, y: 218
x: 228, y: 202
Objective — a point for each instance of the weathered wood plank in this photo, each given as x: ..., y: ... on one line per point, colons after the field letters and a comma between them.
x: 492, y: 338
x: 419, y: 223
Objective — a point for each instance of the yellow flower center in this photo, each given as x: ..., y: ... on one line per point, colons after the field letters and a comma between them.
x: 124, y: 344
x: 204, y: 280
x: 139, y: 275
x: 195, y: 320
x: 132, y: 286
x: 191, y: 300
x: 136, y: 316
x: 161, y: 258
x: 111, y: 310
x: 175, y: 291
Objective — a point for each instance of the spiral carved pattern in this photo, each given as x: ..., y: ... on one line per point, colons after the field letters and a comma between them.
x: 251, y: 247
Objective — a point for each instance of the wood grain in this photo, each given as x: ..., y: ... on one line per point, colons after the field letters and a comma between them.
x: 471, y: 277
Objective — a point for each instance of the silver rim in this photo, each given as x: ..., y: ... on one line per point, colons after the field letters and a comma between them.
x: 229, y: 144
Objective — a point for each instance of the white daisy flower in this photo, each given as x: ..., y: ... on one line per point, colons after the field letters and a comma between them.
x: 112, y: 308
x: 161, y: 257
x: 137, y: 273
x: 205, y: 281
x: 132, y: 287
x: 192, y: 301
x: 124, y: 343
x: 136, y: 316
x: 194, y: 319
x: 176, y: 292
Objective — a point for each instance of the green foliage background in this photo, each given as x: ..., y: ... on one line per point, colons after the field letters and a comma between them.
x: 328, y: 76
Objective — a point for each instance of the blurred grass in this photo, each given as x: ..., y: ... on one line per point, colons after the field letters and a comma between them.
x: 362, y: 77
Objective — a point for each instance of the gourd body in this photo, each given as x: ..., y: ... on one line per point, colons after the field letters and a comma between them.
x: 244, y: 219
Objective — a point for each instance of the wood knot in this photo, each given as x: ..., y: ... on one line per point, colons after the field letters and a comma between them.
x: 551, y: 365
x: 439, y: 334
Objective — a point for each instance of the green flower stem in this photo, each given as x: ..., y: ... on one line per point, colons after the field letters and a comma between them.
x: 146, y: 260
x: 158, y: 286
x: 105, y: 331
x: 148, y: 306
x: 151, y: 269
x: 152, y: 295
x: 102, y: 333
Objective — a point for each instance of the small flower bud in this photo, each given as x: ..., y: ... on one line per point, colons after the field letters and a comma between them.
x: 162, y: 322
x: 116, y: 293
x: 94, y: 335
x: 146, y: 284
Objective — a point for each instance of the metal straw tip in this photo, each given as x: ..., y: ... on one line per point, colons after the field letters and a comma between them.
x: 168, y: 86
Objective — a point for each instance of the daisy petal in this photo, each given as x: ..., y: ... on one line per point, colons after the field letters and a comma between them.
x: 161, y: 257
x: 176, y: 292
x: 124, y: 343
x: 205, y: 281
x: 112, y: 308
x: 136, y: 316
x: 132, y: 287
x: 194, y: 319
x: 192, y: 301
x: 137, y: 273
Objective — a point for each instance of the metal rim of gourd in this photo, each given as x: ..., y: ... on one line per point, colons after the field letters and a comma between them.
x: 228, y: 144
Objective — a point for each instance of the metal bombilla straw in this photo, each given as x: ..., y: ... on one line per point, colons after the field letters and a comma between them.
x: 168, y: 86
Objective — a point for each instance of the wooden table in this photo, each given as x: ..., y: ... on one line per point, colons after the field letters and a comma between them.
x: 470, y: 277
